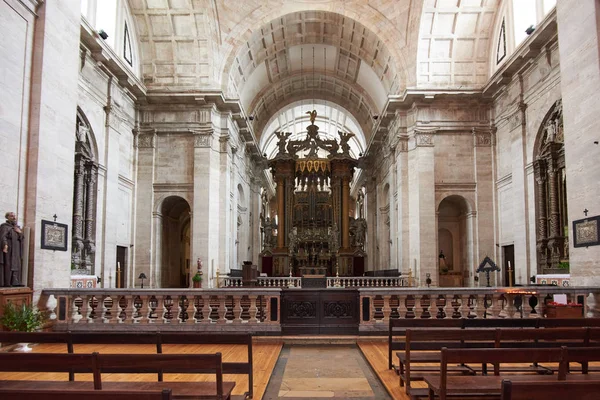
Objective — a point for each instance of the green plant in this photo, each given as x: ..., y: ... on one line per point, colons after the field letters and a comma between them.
x: 197, y: 277
x: 563, y: 265
x: 25, y: 318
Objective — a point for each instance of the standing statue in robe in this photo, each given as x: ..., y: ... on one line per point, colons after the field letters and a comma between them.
x: 11, y: 240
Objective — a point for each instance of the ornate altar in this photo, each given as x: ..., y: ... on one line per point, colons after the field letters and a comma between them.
x: 313, y: 228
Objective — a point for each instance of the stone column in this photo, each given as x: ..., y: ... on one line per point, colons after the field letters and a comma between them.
x: 78, y: 211
x: 345, y: 228
x: 143, y: 256
x: 280, y: 212
x: 579, y: 41
x: 206, y: 208
x: 423, y: 234
x: 521, y: 188
x: 90, y: 245
x: 542, y: 219
x: 485, y: 222
x: 403, y: 215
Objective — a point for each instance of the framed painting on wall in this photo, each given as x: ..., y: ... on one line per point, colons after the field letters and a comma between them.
x: 586, y: 232
x: 54, y: 235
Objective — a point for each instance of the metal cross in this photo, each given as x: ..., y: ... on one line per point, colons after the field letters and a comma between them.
x: 585, y: 212
x: 54, y: 216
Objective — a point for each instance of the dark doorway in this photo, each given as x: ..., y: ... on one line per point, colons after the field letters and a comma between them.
x: 509, y: 256
x: 121, y: 267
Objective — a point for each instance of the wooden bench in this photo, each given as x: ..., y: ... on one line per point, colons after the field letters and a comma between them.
x: 398, y: 326
x: 157, y: 339
x: 56, y: 394
x: 430, y: 339
x: 120, y: 364
x: 550, y: 390
x: 444, y: 385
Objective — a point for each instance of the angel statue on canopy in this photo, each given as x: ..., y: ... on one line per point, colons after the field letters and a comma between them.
x: 313, y: 116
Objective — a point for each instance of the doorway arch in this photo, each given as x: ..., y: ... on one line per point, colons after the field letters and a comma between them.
x: 174, y: 239
x: 454, y: 231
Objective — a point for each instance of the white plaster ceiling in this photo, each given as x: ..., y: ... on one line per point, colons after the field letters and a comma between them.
x: 331, y: 118
x: 262, y: 51
x: 454, y: 43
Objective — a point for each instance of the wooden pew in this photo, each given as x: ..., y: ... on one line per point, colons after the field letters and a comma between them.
x: 581, y: 355
x: 167, y: 363
x: 397, y: 327
x: 55, y: 394
x: 550, y: 390
x: 158, y: 339
x: 244, y: 368
x: 120, y: 363
x: 430, y: 339
x: 444, y: 385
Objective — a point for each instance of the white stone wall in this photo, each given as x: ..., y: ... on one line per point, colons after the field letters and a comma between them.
x: 195, y: 153
x: 579, y: 40
x: 520, y: 105
x: 17, y: 21
x: 110, y: 111
x: 49, y: 183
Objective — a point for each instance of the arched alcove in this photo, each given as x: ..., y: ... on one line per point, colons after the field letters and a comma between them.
x: 173, y: 255
x: 454, y: 231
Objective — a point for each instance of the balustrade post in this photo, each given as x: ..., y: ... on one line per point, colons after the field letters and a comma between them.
x: 592, y: 305
x: 480, y: 305
x: 85, y: 309
x: 206, y: 310
x: 525, y: 307
x: 144, y: 310
x: 237, y: 309
x: 387, y: 310
x: 222, y: 311
x: 496, y: 306
x: 160, y: 309
x: 402, y: 310
x: 417, y: 309
x: 464, y: 306
x: 253, y: 309
x: 448, y: 307
x: 510, y: 306
x: 433, y: 308
x: 129, y: 309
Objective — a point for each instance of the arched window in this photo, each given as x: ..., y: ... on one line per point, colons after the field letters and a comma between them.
x: 84, y: 199
x: 551, y: 196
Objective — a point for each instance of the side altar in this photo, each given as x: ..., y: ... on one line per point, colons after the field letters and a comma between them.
x: 314, y: 233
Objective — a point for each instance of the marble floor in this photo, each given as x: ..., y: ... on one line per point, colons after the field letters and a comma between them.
x: 323, y: 371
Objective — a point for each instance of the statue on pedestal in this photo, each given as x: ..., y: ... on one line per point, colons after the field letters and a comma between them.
x: 11, y: 240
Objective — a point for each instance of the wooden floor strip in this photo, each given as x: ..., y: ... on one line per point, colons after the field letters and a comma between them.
x: 265, y: 356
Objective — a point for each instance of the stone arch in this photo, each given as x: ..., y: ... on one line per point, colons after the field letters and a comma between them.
x: 455, y: 229
x: 173, y: 242
x: 551, y: 216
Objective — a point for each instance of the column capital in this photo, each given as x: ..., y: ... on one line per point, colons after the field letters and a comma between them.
x: 424, y: 136
x: 145, y: 138
x: 483, y: 137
